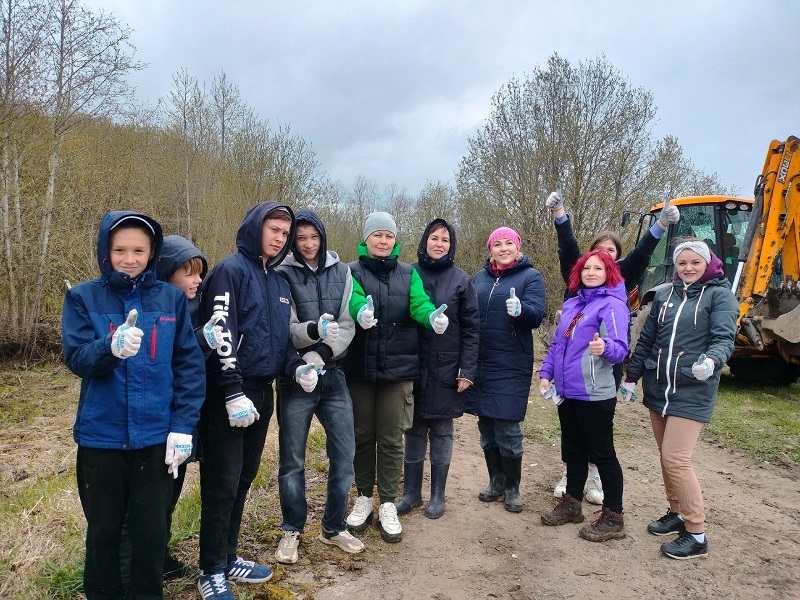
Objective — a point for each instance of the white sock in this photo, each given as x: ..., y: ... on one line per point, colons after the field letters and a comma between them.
x: 593, y: 472
x: 699, y: 537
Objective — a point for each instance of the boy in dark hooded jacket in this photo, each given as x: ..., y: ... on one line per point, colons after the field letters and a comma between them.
x: 253, y: 303
x: 322, y: 329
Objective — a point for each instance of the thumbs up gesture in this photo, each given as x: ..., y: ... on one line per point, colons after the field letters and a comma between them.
x: 328, y: 328
x: 366, y: 315
x: 703, y: 368
x: 306, y: 376
x: 513, y: 305
x: 127, y: 338
x: 439, y: 320
x: 597, y: 345
x: 213, y: 332
x: 669, y: 214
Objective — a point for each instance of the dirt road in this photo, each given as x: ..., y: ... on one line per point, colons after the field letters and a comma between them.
x: 479, y: 550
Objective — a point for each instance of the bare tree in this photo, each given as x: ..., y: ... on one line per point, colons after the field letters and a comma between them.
x: 23, y: 24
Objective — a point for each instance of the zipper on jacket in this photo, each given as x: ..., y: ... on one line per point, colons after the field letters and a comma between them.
x: 658, y: 363
x: 153, y: 344
x: 675, y: 372
x: 669, y: 351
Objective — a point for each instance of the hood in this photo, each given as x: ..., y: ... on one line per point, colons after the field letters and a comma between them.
x: 422, y: 249
x: 108, y: 221
x: 309, y: 217
x: 618, y: 292
x: 176, y: 251
x: 714, y: 271
x: 248, y: 238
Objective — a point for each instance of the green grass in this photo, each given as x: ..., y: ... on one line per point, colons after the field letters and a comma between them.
x: 763, y: 421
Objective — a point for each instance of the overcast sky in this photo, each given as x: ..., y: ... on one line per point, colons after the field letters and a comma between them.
x: 392, y: 90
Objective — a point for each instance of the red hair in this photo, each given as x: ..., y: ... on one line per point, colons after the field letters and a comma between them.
x: 613, y: 275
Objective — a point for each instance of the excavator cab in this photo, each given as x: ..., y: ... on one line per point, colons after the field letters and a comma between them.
x: 758, y: 242
x: 720, y: 221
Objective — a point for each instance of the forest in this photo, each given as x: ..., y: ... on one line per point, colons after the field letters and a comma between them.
x: 76, y: 142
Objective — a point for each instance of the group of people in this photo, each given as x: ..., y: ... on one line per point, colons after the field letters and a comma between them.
x: 178, y: 362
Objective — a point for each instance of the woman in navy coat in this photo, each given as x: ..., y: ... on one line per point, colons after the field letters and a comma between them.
x: 511, y: 299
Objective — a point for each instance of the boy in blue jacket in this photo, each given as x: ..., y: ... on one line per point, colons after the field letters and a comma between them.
x: 129, y: 338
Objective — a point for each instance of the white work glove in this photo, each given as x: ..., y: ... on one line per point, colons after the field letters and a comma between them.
x: 513, y: 305
x: 306, y: 376
x: 127, y: 338
x: 213, y: 332
x: 628, y: 391
x: 179, y: 448
x: 549, y: 392
x: 554, y: 202
x: 366, y: 315
x: 439, y: 320
x: 669, y: 214
x: 313, y: 358
x: 241, y: 412
x: 597, y: 345
x: 703, y: 368
x: 328, y: 328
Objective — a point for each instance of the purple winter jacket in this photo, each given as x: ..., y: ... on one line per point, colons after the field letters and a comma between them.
x: 577, y: 373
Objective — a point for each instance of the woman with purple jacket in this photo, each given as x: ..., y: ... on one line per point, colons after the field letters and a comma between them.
x: 592, y: 335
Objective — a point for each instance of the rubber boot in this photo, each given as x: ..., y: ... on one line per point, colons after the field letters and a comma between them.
x: 495, y: 490
x: 412, y: 487
x: 512, y: 467
x: 435, y: 506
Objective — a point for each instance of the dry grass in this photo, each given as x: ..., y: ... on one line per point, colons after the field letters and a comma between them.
x: 42, y: 526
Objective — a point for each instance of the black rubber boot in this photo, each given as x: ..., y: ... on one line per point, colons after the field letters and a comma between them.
x: 512, y: 467
x: 412, y: 487
x: 495, y: 490
x: 435, y: 506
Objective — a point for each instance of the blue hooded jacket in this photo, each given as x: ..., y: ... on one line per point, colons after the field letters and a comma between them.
x: 136, y: 402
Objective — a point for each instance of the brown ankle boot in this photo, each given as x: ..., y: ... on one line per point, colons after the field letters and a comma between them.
x: 568, y: 510
x: 610, y: 526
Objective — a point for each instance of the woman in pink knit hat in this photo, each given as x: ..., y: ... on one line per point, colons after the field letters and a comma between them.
x: 511, y: 299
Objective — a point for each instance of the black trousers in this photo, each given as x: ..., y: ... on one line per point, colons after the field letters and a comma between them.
x: 111, y: 484
x: 126, y: 547
x: 231, y: 457
x: 587, y: 435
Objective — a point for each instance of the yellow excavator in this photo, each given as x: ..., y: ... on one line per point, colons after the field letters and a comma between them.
x: 758, y: 241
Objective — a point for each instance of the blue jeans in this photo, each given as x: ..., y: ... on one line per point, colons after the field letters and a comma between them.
x: 440, y: 432
x: 499, y: 433
x: 331, y: 402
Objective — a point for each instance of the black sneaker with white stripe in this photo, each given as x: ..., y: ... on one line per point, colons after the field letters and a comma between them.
x: 685, y: 547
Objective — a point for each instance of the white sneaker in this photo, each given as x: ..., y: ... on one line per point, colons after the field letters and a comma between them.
x: 287, y: 548
x: 388, y: 523
x: 593, y: 490
x: 361, y: 515
x: 343, y: 540
x: 561, y: 486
